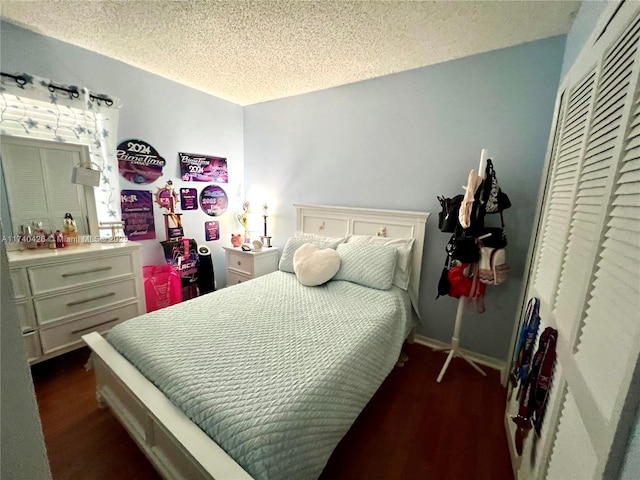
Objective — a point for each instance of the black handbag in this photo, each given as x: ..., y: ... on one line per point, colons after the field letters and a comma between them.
x: 448, y: 216
x: 444, y: 285
x: 464, y: 249
x: 493, y: 198
x: 494, y: 237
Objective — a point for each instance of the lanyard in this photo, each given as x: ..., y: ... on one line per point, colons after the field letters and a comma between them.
x: 526, y: 341
x: 536, y: 386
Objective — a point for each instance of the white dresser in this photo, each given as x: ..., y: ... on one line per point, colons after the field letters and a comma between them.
x: 243, y: 266
x: 63, y: 294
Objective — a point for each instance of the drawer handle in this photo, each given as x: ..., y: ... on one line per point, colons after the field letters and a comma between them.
x: 84, y: 272
x: 26, y: 331
x: 73, y: 332
x: 239, y: 263
x: 80, y: 302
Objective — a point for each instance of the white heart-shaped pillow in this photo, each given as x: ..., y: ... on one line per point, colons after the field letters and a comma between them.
x: 314, y: 266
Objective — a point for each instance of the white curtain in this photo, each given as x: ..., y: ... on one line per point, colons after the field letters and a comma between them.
x: 34, y: 107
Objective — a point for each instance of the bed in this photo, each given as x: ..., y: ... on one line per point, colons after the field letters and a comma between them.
x: 262, y: 379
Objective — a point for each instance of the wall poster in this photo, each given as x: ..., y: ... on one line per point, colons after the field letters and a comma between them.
x: 203, y: 168
x: 139, y: 162
x: 137, y: 214
x: 188, y: 199
x: 212, y: 231
x: 213, y: 200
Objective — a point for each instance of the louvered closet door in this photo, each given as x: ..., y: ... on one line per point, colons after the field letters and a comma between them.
x: 563, y: 184
x: 586, y: 262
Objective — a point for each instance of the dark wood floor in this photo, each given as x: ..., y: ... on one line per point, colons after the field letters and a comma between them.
x: 413, y: 428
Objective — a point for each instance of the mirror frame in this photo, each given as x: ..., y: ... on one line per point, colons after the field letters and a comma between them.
x: 89, y: 197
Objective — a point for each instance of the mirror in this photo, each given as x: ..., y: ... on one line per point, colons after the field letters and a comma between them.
x: 37, y: 188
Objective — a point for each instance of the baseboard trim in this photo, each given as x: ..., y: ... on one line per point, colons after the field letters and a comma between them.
x: 478, y: 358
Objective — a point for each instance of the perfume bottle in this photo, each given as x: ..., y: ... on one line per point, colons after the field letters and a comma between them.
x: 70, y: 230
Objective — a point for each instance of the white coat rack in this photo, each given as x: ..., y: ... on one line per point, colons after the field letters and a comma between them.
x: 453, y: 349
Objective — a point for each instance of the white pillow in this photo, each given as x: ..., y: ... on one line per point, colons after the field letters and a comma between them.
x: 286, y: 259
x: 404, y: 246
x: 313, y: 266
x: 368, y: 265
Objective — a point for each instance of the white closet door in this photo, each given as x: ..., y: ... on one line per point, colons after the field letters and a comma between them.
x: 563, y: 184
x: 611, y: 331
x: 586, y: 261
x: 595, y: 179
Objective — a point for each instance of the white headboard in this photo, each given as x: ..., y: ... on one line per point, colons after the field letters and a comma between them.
x: 342, y: 221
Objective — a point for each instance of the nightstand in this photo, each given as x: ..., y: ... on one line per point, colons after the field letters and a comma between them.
x: 243, y: 266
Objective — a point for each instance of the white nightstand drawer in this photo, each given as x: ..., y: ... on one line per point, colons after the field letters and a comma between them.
x: 234, y: 278
x: 54, y: 308
x: 240, y: 263
x: 50, y: 278
x: 66, y: 334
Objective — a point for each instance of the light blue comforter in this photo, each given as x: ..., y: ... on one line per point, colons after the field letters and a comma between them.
x: 273, y: 371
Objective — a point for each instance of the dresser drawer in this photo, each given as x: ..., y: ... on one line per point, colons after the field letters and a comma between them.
x: 70, y: 333
x: 20, y: 283
x: 235, y: 278
x: 240, y: 263
x: 26, y: 316
x: 56, y: 307
x: 31, y: 346
x: 50, y: 278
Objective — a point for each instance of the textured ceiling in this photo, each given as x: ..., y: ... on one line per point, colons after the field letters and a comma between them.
x: 253, y: 51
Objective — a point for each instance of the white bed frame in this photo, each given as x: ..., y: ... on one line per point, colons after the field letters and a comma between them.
x: 177, y: 447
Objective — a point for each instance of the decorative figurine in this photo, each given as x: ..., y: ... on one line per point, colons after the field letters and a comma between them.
x: 257, y: 246
x: 236, y: 239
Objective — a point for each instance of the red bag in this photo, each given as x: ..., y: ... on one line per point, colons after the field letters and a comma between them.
x: 162, y: 286
x: 464, y: 286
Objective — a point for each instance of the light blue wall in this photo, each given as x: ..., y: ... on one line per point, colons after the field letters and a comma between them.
x: 171, y: 117
x: 631, y: 465
x: 398, y: 141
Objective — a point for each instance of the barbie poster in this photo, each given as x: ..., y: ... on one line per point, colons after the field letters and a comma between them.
x: 203, y: 168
